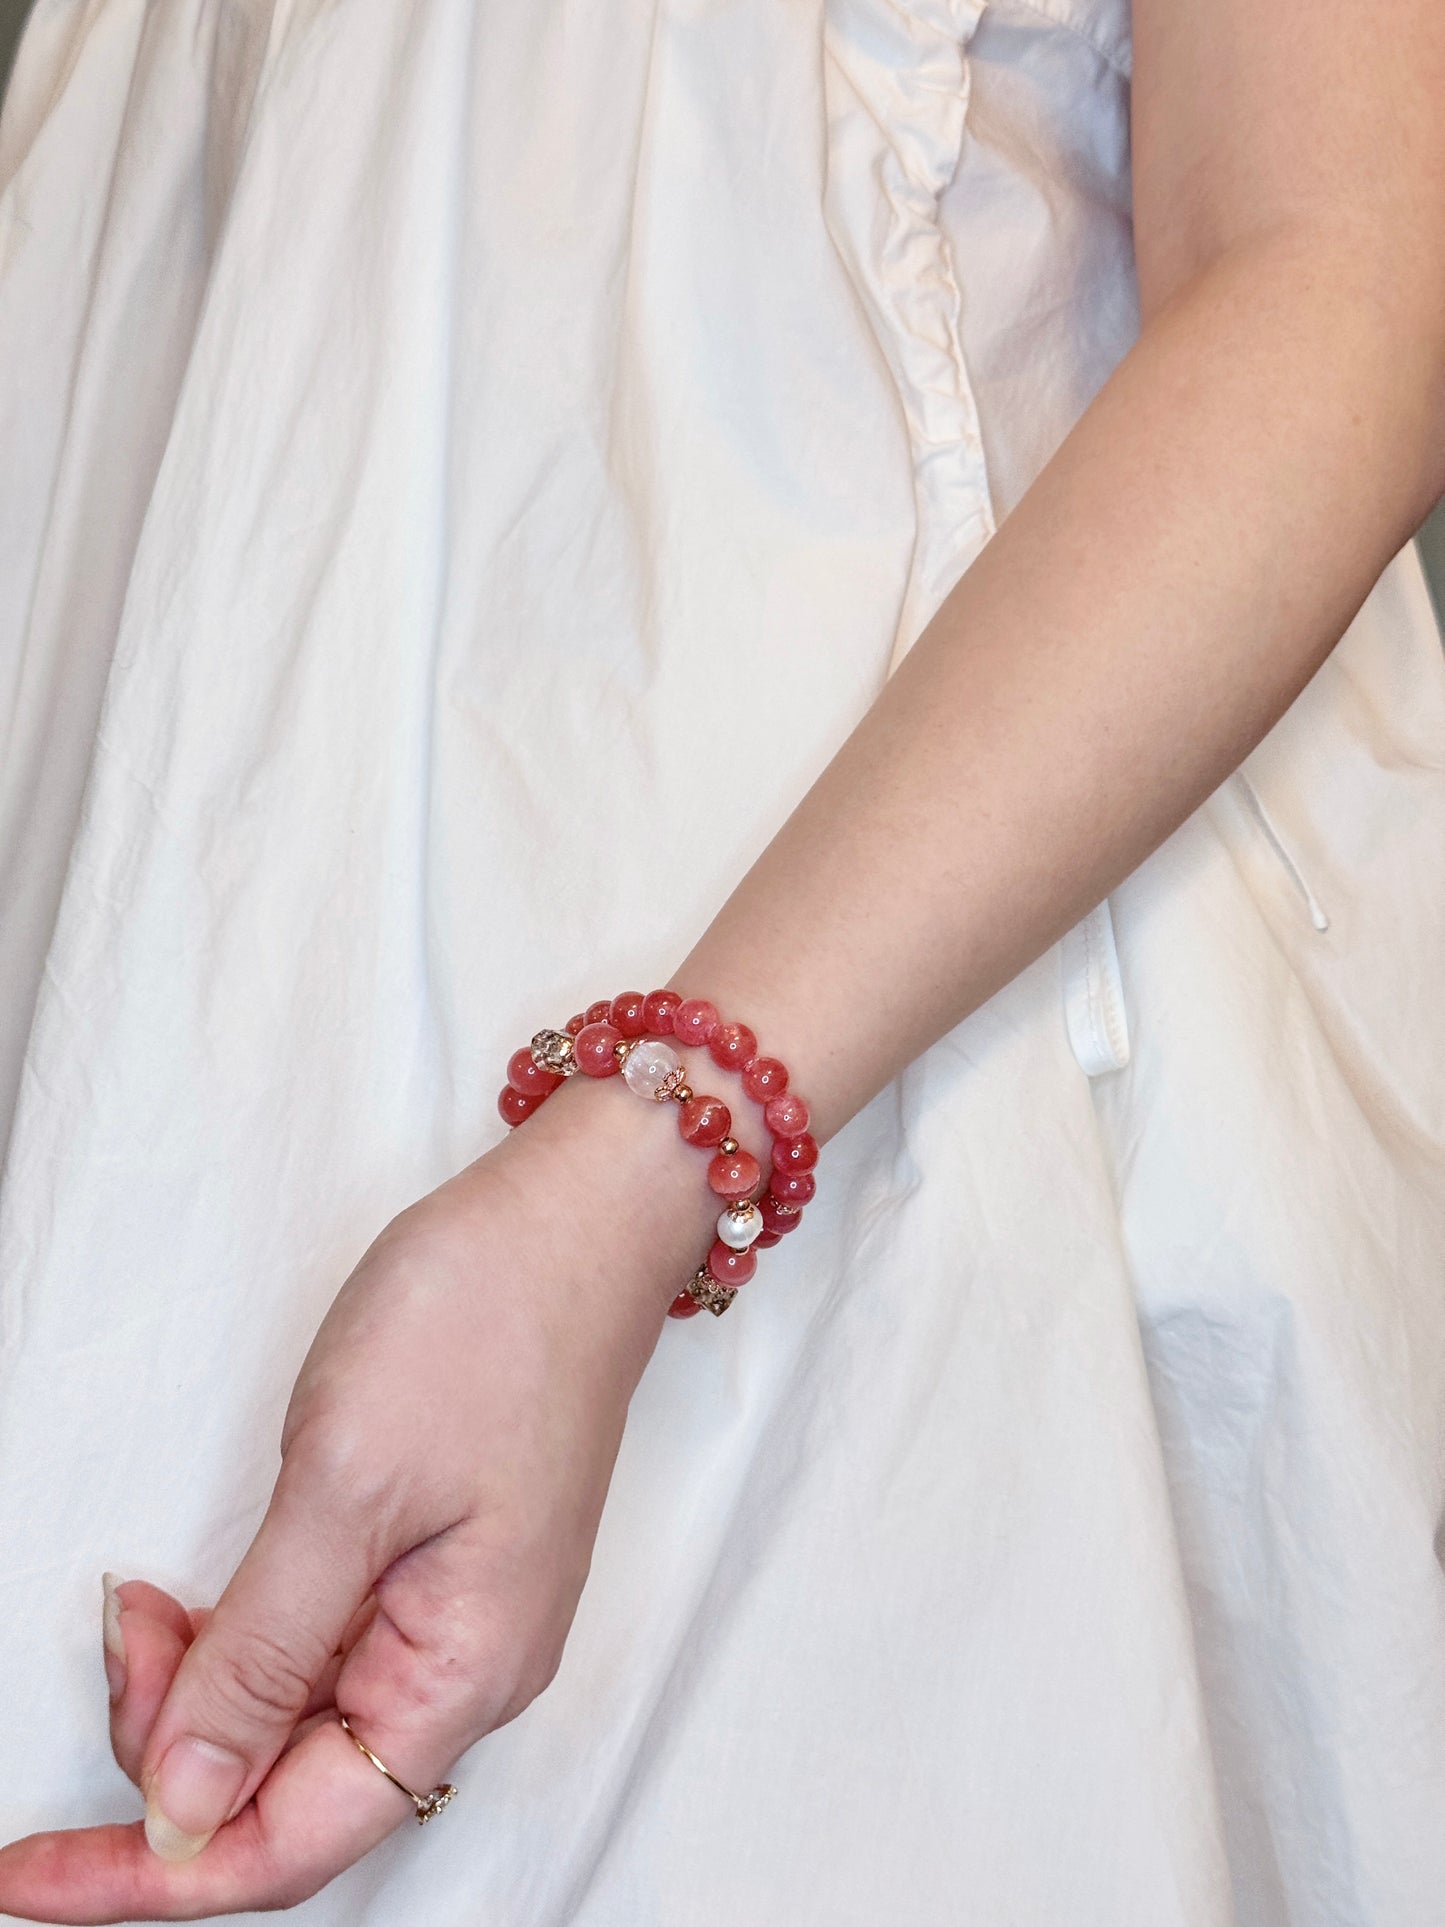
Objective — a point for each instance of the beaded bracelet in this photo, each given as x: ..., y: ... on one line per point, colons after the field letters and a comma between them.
x: 629, y: 1033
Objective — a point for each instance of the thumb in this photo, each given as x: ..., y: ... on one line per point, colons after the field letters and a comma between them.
x: 247, y: 1678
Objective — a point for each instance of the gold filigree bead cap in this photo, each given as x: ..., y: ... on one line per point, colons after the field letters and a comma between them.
x: 552, y: 1049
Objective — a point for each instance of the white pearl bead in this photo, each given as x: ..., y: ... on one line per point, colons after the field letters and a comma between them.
x: 739, y: 1225
x: 648, y: 1066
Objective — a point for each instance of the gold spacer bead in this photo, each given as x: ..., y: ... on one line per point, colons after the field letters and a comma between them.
x: 683, y: 1093
x: 707, y: 1292
x: 552, y: 1049
x: 729, y: 1147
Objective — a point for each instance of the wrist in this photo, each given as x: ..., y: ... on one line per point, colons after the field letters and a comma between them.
x: 644, y: 1049
x: 616, y: 1167
x: 789, y: 1024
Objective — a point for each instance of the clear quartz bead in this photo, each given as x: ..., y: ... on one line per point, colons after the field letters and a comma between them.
x: 649, y: 1065
x: 740, y: 1225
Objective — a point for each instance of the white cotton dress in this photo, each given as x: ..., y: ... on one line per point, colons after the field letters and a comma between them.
x: 430, y: 432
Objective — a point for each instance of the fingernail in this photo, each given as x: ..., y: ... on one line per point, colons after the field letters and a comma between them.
x: 114, y: 1638
x: 193, y: 1791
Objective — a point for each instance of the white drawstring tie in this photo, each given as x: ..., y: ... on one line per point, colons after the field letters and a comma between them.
x: 1094, y: 1010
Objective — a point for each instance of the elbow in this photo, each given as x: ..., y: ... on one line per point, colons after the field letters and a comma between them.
x: 1397, y: 309
x: 1411, y: 372
x: 1399, y: 397
x: 1364, y: 318
x: 1432, y: 422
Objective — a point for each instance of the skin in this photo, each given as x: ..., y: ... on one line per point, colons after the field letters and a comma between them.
x: 1169, y: 584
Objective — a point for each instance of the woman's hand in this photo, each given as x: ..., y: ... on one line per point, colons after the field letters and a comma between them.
x: 444, y: 1463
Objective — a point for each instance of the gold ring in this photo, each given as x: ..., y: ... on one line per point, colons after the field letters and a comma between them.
x: 426, y: 1804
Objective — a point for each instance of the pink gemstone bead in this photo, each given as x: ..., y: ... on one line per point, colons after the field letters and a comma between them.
x: 777, y: 1221
x: 795, y: 1153
x: 600, y: 1012
x: 764, y: 1078
x: 514, y: 1105
x: 684, y: 1306
x: 765, y: 1240
x: 786, y: 1115
x: 574, y: 1024
x: 657, y: 1010
x: 694, y: 1020
x: 595, y: 1050
x: 735, y: 1176
x: 730, y: 1267
x: 792, y: 1187
x: 625, y: 1013
x: 525, y: 1074
x: 732, y: 1045
x: 704, y: 1120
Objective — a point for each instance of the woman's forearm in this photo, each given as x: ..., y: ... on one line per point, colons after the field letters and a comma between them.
x: 1165, y: 589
